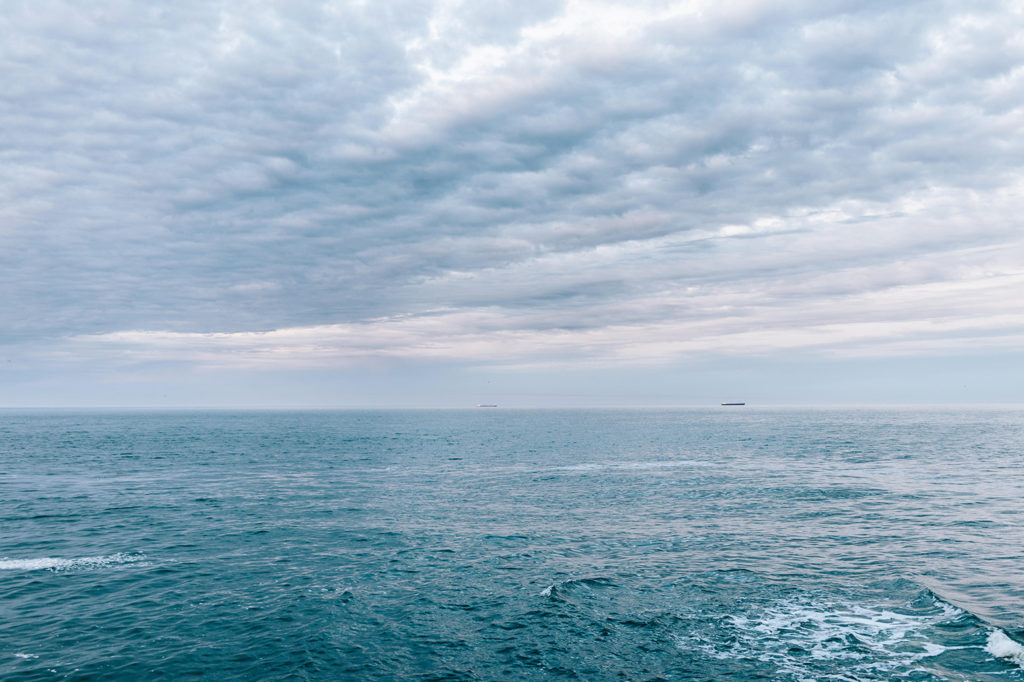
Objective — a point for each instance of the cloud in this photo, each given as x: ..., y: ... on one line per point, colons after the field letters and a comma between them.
x: 953, y: 301
x: 586, y: 182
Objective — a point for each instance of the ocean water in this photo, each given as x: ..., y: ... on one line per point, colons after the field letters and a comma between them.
x: 718, y: 544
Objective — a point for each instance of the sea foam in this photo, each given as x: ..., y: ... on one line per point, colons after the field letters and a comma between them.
x: 58, y: 564
x: 797, y: 635
x: 1001, y: 646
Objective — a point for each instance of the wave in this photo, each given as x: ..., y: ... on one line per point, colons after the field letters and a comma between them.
x: 562, y: 589
x: 1001, y: 646
x: 630, y: 465
x: 59, y: 564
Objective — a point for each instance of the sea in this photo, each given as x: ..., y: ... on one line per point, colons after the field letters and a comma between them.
x: 729, y: 543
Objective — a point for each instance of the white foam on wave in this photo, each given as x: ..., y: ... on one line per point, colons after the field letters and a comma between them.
x: 58, y: 564
x: 794, y: 634
x: 1000, y: 645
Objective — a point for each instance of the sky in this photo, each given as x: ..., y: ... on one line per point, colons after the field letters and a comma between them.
x: 534, y: 204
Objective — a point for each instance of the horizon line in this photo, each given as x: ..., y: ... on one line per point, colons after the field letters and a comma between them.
x: 499, y: 406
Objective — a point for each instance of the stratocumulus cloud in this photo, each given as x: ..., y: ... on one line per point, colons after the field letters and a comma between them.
x: 509, y: 184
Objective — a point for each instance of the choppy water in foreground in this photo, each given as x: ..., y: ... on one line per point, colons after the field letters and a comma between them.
x: 720, y: 544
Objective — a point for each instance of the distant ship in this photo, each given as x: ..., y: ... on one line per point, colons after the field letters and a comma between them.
x: 733, y: 403
x: 485, y: 405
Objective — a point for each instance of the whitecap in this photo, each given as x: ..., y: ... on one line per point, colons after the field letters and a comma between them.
x: 59, y: 564
x: 1000, y: 645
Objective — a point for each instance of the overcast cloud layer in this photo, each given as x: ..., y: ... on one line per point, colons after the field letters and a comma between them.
x: 255, y: 186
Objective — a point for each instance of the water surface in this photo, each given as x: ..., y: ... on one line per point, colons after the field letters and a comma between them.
x: 730, y: 543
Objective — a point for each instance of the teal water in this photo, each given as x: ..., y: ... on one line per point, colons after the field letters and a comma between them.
x: 721, y: 544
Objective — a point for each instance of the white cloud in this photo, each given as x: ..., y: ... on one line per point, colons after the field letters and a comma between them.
x: 509, y: 182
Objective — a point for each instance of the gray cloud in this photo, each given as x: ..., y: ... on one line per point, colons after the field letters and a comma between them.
x: 526, y: 170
